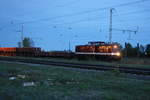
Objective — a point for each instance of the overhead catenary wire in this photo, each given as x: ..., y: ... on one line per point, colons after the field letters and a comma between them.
x: 78, y: 13
x: 98, y: 18
x: 90, y: 11
x: 83, y: 12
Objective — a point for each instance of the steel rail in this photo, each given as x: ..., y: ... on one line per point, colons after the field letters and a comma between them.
x: 131, y: 70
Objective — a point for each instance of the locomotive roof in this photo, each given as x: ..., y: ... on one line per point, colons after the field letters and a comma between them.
x: 99, y: 43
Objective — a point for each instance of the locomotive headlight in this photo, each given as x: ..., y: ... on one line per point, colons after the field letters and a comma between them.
x: 115, y: 46
x: 118, y: 54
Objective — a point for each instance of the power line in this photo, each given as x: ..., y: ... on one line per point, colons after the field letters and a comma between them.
x: 128, y: 31
x: 84, y: 12
x: 97, y: 18
x: 93, y: 10
x: 78, y: 13
x: 85, y: 20
x: 133, y: 12
x: 79, y: 21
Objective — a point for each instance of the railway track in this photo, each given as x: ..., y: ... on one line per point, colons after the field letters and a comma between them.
x: 139, y: 71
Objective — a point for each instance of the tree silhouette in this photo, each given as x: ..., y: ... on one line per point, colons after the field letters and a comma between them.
x: 27, y: 42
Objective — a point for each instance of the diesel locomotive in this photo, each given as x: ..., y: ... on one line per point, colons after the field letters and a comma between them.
x: 99, y: 50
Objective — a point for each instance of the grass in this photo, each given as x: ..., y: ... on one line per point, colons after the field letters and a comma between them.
x: 54, y: 83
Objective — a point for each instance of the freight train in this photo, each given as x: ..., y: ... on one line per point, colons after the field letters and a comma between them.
x: 14, y: 51
x: 98, y: 50
x: 33, y: 52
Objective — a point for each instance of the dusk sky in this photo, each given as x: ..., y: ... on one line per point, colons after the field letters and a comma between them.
x: 53, y: 23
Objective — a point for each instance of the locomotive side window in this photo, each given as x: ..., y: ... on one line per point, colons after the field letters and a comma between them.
x: 109, y: 49
x: 116, y: 48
